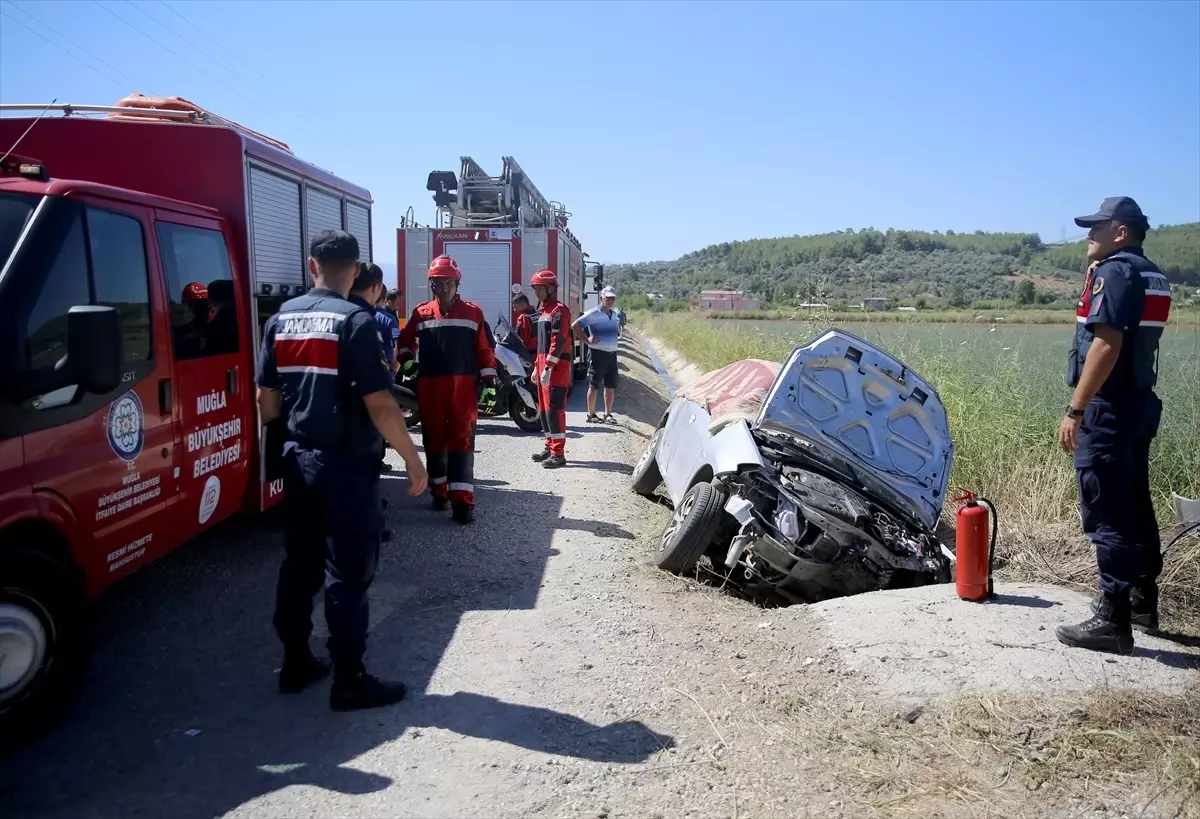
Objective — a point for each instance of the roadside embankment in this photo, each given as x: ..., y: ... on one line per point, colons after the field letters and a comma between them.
x: 914, y: 703
x: 1004, y: 425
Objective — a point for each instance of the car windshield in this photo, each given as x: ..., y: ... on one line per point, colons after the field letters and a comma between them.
x: 15, y: 210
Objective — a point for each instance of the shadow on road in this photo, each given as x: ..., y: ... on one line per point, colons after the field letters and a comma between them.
x: 1024, y: 600
x: 180, y: 716
x: 602, y: 466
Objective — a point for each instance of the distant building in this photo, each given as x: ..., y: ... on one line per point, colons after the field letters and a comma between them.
x: 812, y: 305
x: 907, y: 309
x: 726, y: 300
x: 873, y: 304
x: 656, y: 297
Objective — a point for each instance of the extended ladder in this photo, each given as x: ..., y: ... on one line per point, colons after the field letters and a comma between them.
x: 508, y: 200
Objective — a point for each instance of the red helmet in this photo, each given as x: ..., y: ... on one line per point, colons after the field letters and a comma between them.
x: 195, y: 292
x: 443, y: 267
x: 544, y: 277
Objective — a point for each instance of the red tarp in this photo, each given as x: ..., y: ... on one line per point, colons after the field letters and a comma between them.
x: 734, y: 391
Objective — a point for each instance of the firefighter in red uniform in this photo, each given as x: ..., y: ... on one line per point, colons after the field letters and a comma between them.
x: 552, y: 369
x: 526, y: 322
x: 447, y: 336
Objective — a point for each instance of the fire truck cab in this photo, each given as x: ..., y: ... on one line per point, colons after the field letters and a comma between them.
x: 500, y: 230
x: 142, y: 248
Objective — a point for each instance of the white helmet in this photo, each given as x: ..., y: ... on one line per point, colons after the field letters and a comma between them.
x: 608, y: 293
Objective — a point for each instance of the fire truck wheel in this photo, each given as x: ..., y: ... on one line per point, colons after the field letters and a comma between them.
x: 44, y: 639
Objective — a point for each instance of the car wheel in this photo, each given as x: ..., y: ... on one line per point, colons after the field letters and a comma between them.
x: 646, y: 475
x: 691, y: 529
x: 43, y: 640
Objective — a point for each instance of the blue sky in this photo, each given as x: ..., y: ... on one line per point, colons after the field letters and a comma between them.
x: 665, y: 127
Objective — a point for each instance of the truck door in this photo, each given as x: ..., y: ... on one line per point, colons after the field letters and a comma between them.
x: 211, y: 370
x: 101, y: 465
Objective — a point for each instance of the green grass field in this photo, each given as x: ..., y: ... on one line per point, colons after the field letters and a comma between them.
x: 1004, y: 391
x: 1183, y: 316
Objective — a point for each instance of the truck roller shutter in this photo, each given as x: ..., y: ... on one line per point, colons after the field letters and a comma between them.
x: 275, y: 230
x: 324, y: 213
x: 486, y: 275
x: 358, y: 225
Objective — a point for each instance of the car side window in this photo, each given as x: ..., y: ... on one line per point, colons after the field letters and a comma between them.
x: 118, y: 276
x: 65, y: 285
x: 200, y: 284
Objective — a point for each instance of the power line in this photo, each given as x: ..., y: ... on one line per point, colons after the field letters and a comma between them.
x: 60, y: 48
x: 58, y: 33
x: 175, y: 54
x: 218, y: 44
x: 282, y: 105
x: 183, y: 59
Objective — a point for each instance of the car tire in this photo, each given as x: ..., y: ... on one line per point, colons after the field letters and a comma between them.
x: 646, y: 475
x: 691, y: 529
x: 44, y: 633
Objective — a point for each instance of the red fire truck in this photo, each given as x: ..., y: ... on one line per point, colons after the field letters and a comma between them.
x: 500, y: 230
x: 142, y: 248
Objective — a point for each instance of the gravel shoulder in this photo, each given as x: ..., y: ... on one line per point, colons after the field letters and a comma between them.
x: 554, y: 671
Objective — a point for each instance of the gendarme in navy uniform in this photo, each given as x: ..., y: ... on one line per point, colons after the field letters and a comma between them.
x: 1111, y: 420
x: 321, y: 354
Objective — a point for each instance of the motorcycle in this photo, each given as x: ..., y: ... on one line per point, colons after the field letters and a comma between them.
x: 514, y: 393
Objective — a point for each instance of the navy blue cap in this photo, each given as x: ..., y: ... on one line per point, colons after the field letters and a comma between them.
x: 334, y: 246
x: 1115, y: 209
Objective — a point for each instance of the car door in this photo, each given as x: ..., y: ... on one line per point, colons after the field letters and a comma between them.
x: 104, y: 462
x: 211, y: 370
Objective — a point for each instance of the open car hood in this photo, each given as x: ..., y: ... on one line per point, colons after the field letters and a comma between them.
x: 867, y: 416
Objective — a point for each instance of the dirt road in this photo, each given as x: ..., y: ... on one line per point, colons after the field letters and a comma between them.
x: 554, y: 671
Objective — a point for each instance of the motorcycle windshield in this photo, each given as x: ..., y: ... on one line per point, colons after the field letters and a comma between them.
x: 869, y: 415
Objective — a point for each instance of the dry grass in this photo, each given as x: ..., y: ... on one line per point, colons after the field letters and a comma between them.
x: 1115, y: 752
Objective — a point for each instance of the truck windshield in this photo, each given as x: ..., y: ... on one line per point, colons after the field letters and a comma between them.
x: 15, y: 210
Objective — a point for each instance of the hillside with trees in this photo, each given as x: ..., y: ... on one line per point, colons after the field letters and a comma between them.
x: 911, y: 267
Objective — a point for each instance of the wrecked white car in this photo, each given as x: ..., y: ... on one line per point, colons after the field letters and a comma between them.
x: 819, y: 478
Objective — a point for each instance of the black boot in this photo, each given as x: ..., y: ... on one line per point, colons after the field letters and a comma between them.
x: 356, y: 690
x: 555, y: 462
x: 538, y: 457
x: 440, y: 504
x: 1107, y: 630
x: 300, y: 670
x: 1143, y: 608
x: 463, y: 513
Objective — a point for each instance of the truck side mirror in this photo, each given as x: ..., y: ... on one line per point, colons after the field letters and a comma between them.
x: 94, y: 360
x: 95, y: 348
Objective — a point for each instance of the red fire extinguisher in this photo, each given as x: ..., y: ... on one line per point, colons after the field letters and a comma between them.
x: 974, y: 557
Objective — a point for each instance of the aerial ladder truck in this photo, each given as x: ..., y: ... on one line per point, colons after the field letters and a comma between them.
x: 501, y: 230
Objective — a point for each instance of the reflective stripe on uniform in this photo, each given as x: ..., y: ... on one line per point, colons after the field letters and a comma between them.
x: 1158, y: 300
x: 461, y: 487
x: 433, y: 324
x: 486, y: 371
x: 437, y: 480
x: 307, y: 342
